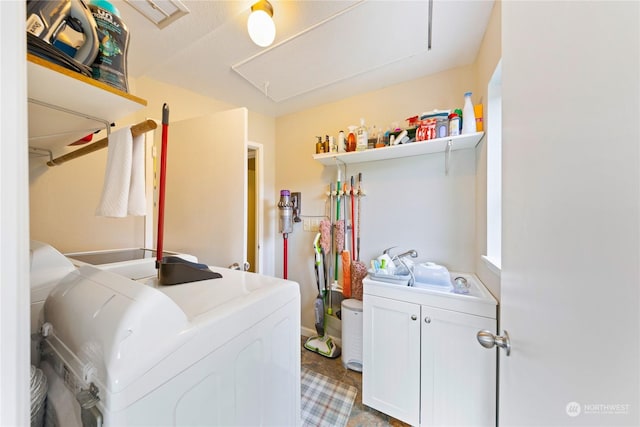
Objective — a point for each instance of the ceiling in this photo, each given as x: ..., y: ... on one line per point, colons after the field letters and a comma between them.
x: 324, y: 50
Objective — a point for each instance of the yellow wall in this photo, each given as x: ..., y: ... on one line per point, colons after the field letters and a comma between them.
x: 410, y: 203
x: 64, y: 198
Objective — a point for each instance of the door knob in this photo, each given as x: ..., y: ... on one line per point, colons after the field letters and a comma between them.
x: 488, y: 340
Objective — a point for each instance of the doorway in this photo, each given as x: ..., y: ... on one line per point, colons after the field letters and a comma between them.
x: 254, y: 206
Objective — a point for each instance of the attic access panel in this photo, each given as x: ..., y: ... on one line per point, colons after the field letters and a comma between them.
x: 361, y: 38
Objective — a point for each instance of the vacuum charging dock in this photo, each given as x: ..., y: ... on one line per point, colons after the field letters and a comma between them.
x: 175, y: 270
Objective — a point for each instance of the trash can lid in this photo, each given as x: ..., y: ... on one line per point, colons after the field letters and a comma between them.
x: 352, y: 304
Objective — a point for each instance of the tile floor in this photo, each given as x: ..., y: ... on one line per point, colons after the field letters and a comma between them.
x: 361, y: 415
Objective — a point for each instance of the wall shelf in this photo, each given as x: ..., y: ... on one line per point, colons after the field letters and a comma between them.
x: 459, y: 142
x: 64, y: 105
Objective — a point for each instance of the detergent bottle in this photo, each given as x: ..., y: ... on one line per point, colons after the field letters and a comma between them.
x: 468, y: 115
x: 110, y: 66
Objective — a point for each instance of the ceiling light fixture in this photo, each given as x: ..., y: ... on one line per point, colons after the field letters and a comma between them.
x: 260, y: 25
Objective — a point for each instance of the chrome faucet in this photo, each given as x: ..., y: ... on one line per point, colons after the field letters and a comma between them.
x: 410, y: 253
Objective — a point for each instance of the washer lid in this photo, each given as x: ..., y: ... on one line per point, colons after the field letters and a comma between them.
x: 48, y: 267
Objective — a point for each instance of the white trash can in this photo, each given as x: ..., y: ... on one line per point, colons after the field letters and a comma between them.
x: 352, y: 334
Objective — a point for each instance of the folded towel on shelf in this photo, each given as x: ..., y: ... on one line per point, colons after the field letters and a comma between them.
x: 123, y: 191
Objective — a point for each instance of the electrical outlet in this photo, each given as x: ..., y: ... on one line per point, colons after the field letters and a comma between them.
x: 311, y: 225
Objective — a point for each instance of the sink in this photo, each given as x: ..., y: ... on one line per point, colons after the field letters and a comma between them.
x: 401, y: 277
x: 472, y: 288
x: 478, y: 301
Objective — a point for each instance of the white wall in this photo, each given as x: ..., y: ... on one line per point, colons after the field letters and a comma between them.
x: 14, y: 214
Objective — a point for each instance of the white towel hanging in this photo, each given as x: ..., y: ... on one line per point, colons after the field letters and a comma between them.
x: 123, y: 192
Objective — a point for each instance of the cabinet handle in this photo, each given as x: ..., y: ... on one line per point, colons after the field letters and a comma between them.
x: 414, y: 317
x: 427, y: 319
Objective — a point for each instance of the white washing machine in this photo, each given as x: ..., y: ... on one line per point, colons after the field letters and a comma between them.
x: 123, y: 352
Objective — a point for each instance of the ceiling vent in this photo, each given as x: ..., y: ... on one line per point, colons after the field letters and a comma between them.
x: 160, y: 12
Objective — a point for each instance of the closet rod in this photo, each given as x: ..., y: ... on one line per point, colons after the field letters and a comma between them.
x: 136, y: 130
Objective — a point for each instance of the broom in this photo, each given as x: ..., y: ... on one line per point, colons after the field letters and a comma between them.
x: 358, y: 268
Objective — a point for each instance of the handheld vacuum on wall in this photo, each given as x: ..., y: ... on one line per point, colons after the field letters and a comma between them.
x: 285, y: 205
x: 322, y: 343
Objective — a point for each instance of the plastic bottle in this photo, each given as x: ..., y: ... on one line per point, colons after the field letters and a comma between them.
x: 341, y: 142
x: 458, y: 111
x: 454, y: 124
x: 110, y: 66
x: 468, y: 115
x: 351, y: 139
x: 319, y: 145
x: 362, y: 137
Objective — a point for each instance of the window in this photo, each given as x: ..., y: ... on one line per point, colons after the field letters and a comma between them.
x: 494, y: 171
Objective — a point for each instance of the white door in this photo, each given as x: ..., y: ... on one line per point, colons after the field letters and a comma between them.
x: 571, y: 213
x: 205, y: 207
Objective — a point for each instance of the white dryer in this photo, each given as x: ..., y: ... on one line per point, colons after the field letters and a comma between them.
x: 123, y: 352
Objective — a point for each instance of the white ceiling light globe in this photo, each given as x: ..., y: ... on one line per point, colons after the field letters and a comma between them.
x: 261, y: 27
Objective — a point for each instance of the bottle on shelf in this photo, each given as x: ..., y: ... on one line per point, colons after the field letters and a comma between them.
x: 351, y: 139
x: 362, y: 137
x: 341, y: 142
x: 468, y: 115
x: 319, y: 145
x: 454, y: 124
x: 479, y: 119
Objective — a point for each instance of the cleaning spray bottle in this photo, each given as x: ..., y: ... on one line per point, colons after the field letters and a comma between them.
x: 362, y: 137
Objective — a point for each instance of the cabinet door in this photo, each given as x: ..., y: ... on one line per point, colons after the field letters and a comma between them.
x: 391, y: 357
x: 458, y: 377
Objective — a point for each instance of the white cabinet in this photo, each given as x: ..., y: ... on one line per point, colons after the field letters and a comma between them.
x: 391, y: 357
x: 457, y: 374
x: 422, y: 363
